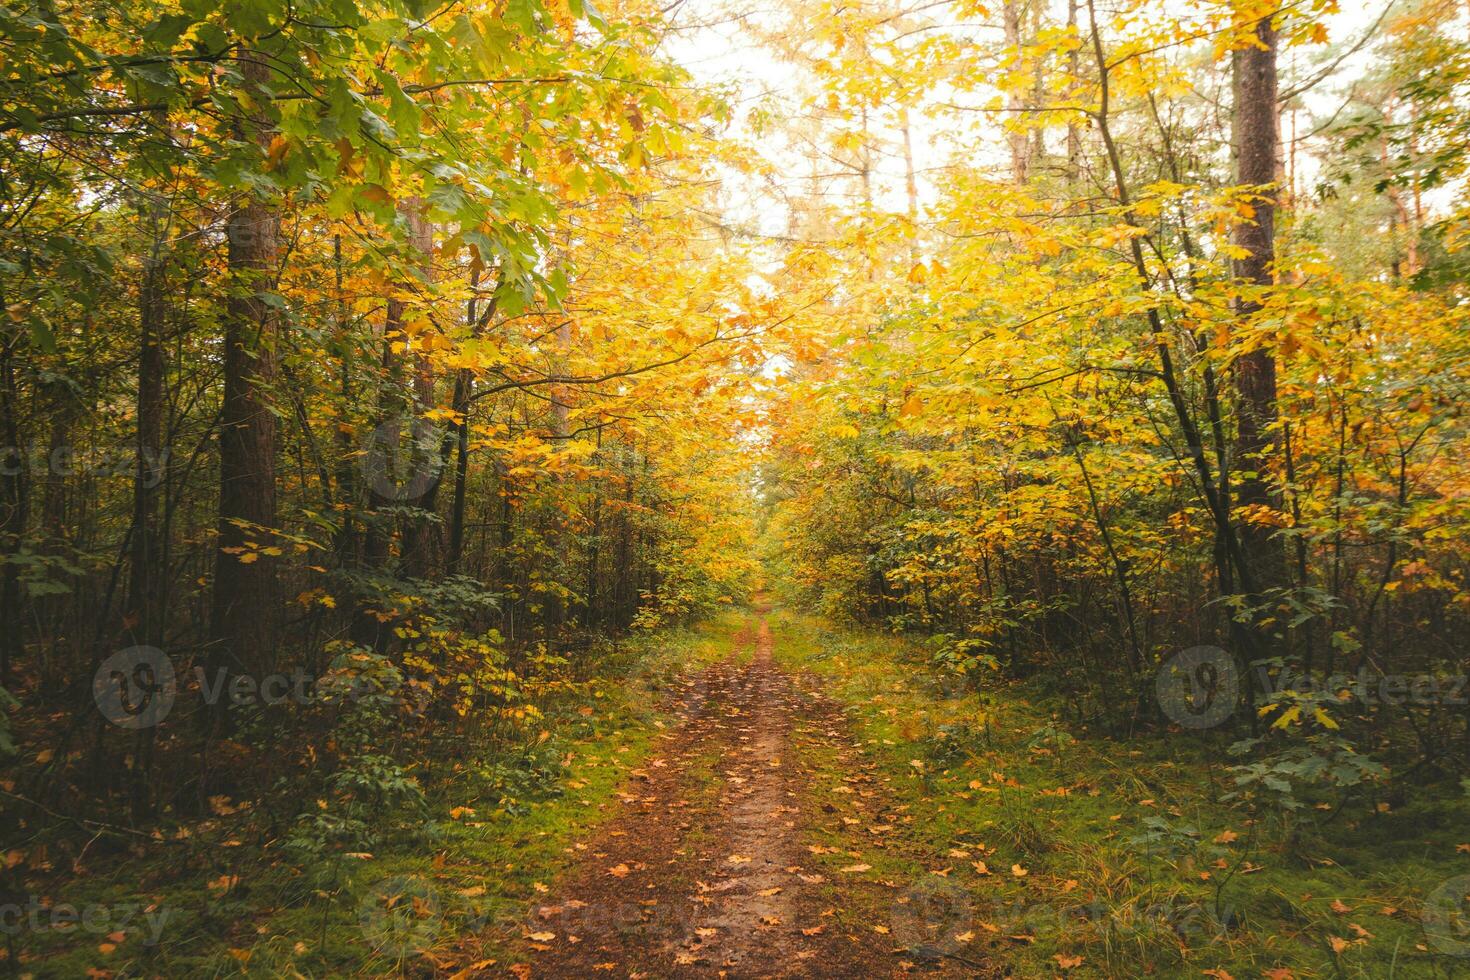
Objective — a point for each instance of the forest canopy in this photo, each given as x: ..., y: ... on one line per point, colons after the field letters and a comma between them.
x: 375, y: 376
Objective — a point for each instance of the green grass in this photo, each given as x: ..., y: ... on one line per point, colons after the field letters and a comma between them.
x: 985, y: 774
x: 451, y: 881
x: 970, y: 776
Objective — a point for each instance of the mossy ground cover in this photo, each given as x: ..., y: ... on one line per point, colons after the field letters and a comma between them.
x: 1088, y: 855
x: 987, y: 829
x: 433, y: 897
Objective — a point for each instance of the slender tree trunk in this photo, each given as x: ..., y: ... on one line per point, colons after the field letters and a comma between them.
x: 245, y: 606
x: 1020, y: 143
x: 460, y: 403
x: 14, y: 505
x: 910, y: 186
x: 143, y: 619
x: 144, y: 609
x: 1255, y: 140
x: 419, y: 533
x: 1074, y: 70
x: 347, y: 393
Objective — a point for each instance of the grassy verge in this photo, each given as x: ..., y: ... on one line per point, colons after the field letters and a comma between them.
x: 222, y: 904
x: 1114, y: 858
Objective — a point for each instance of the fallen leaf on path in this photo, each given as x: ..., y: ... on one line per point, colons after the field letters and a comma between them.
x: 618, y: 871
x: 856, y: 868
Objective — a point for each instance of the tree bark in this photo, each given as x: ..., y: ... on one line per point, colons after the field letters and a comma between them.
x: 143, y: 618
x: 1020, y: 143
x: 245, y: 606
x: 420, y: 533
x: 1255, y: 139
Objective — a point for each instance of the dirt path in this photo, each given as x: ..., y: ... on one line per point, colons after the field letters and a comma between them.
x: 708, y: 870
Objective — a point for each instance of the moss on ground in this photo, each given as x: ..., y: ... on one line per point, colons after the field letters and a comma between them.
x: 434, y: 896
x: 1118, y: 851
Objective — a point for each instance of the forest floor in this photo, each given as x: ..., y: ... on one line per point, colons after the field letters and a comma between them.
x: 744, y: 850
x: 766, y: 794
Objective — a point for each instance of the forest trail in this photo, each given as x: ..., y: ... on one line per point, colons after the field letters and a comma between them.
x: 710, y: 869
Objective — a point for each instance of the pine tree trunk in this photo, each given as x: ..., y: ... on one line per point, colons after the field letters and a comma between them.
x: 1255, y: 139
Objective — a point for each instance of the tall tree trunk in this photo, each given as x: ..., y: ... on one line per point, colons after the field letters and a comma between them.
x: 14, y: 504
x: 1020, y: 143
x: 1254, y: 143
x: 347, y: 494
x: 1074, y: 71
x: 245, y: 606
x: 460, y: 403
x: 144, y: 608
x: 397, y: 469
x: 419, y: 533
x: 910, y: 185
x: 143, y: 616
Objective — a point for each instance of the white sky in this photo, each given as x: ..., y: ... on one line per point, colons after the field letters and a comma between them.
x: 713, y: 42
